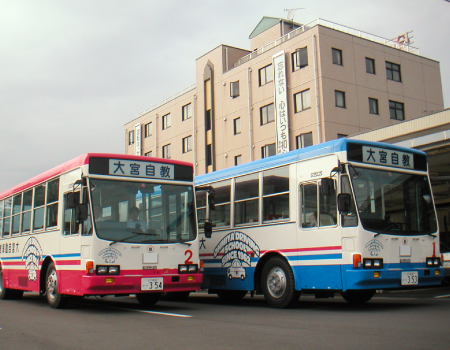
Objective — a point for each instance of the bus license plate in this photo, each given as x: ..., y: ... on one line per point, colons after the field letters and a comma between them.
x: 410, y: 278
x: 152, y: 283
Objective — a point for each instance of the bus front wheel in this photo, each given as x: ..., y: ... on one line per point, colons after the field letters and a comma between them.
x: 358, y: 297
x: 148, y: 299
x: 55, y: 299
x: 278, y: 283
x: 7, y: 293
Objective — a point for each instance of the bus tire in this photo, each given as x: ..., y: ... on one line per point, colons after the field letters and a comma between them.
x: 231, y: 296
x: 55, y: 299
x: 148, y: 299
x: 7, y: 293
x: 358, y: 297
x: 278, y: 283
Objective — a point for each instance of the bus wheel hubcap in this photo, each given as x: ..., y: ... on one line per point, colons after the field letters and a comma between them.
x: 276, y: 282
x: 52, y: 284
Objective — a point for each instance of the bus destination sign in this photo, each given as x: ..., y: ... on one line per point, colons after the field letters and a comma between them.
x: 388, y: 157
x: 122, y: 167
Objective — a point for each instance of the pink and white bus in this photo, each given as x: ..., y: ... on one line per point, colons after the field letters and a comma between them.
x: 101, y: 224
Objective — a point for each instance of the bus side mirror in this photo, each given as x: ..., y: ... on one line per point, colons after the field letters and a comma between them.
x: 208, y: 228
x: 81, y: 212
x: 344, y: 202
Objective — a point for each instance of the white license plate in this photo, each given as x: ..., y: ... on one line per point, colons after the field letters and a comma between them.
x: 410, y: 278
x: 152, y: 283
x: 446, y: 263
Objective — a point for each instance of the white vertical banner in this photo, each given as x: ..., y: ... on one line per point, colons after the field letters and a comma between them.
x: 280, y: 103
x: 137, y: 143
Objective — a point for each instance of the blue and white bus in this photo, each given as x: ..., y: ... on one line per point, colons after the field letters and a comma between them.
x: 345, y: 216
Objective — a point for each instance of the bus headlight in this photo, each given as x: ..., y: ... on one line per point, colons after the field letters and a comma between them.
x: 373, y: 263
x: 433, y: 262
x: 108, y: 270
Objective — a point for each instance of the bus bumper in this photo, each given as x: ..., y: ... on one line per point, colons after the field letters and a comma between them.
x: 390, y: 278
x: 118, y: 284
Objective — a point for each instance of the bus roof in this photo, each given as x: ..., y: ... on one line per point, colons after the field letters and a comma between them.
x: 78, y: 162
x: 321, y: 149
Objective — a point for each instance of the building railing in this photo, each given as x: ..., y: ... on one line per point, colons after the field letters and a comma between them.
x: 168, y: 99
x: 332, y: 25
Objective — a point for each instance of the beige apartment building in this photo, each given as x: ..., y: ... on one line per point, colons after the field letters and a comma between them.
x: 298, y: 85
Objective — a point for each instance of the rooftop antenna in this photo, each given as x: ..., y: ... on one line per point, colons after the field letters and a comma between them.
x: 291, y: 13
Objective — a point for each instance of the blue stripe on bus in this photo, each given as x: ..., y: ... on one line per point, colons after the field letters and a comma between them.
x: 315, y: 257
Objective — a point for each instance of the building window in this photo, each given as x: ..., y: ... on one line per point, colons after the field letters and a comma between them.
x: 238, y: 160
x: 149, y: 154
x: 267, y: 114
x: 208, y: 121
x: 373, y: 105
x: 148, y: 129
x: 300, y: 59
x: 237, y: 125
x: 209, y: 156
x: 166, y: 151
x: 393, y: 71
x: 166, y: 121
x: 131, y: 137
x: 186, y: 112
x: 265, y: 75
x: 302, y: 101
x: 397, y: 110
x: 337, y: 56
x: 187, y: 144
x: 304, y: 140
x: 342, y: 136
x: 234, y: 89
x: 339, y: 98
x: 370, y: 65
x: 268, y: 150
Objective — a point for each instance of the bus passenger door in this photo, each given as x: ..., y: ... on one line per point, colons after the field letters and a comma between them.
x: 69, y: 260
x: 319, y: 236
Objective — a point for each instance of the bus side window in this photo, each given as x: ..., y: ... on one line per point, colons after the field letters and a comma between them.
x: 348, y: 219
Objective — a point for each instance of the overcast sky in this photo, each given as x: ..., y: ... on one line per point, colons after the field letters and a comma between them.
x: 73, y: 72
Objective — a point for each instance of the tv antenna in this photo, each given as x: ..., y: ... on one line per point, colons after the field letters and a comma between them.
x: 291, y: 13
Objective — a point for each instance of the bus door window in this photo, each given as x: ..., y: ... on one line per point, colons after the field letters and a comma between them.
x: 349, y: 218
x: 308, y: 195
x: 318, y: 204
x: 70, y: 222
x: 246, y: 199
x: 276, y: 194
x: 6, y: 217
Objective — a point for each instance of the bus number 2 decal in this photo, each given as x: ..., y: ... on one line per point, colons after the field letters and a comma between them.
x: 188, y: 260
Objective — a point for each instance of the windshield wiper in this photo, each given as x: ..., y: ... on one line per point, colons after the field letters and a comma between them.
x: 393, y: 224
x: 132, y: 236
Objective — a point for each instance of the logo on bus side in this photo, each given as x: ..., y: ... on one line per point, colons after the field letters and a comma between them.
x: 236, y: 247
x: 374, y: 247
x: 32, y: 253
x: 110, y: 255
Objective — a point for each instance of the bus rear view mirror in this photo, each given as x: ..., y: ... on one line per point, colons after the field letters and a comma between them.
x: 344, y: 202
x: 208, y: 228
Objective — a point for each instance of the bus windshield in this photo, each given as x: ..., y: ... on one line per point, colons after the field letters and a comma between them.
x: 141, y: 212
x: 393, y: 203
